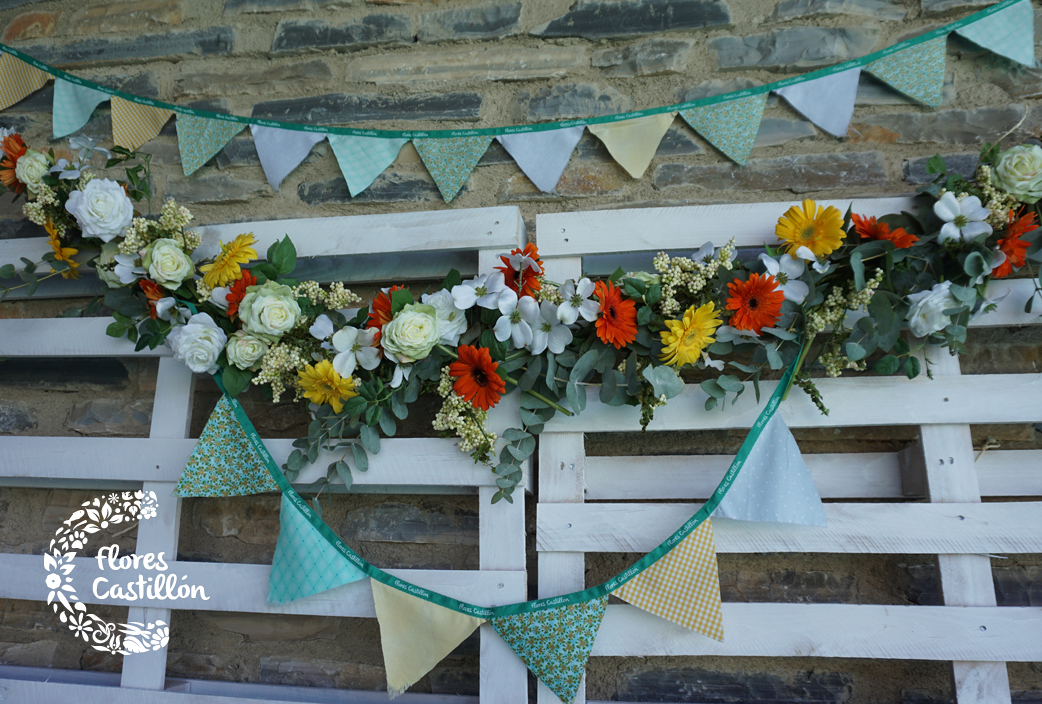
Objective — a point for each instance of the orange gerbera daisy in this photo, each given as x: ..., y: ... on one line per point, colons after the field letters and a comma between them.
x: 529, y: 278
x: 13, y: 148
x: 380, y: 314
x: 869, y: 229
x: 237, y: 291
x: 1012, y: 246
x: 476, y: 377
x: 756, y: 303
x: 153, y: 293
x: 617, y: 324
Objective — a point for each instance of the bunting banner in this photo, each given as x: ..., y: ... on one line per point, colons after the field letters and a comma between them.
x: 133, y: 124
x: 828, y: 102
x: 633, y: 143
x: 415, y: 635
x: 543, y: 156
x: 555, y: 643
x: 730, y: 127
x: 224, y: 463
x: 684, y: 586
x: 362, y: 159
x: 305, y: 563
x: 72, y: 106
x: 18, y: 79
x: 280, y: 151
x: 1009, y: 32
x: 918, y: 71
x: 775, y: 484
x: 200, y: 139
x: 450, y: 161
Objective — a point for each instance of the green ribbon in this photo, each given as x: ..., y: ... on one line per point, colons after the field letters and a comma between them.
x: 525, y: 607
x: 429, y: 134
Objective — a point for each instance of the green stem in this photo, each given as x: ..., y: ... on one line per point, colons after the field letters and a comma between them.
x: 799, y: 364
x: 533, y: 394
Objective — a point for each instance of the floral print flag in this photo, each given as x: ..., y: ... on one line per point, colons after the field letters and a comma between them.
x: 730, y: 126
x: 917, y: 71
x: 200, y: 138
x: 451, y: 160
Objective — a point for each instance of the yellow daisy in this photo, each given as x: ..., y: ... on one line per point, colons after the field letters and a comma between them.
x: 225, y: 267
x: 62, y: 254
x: 685, y: 339
x: 322, y: 384
x: 819, y: 229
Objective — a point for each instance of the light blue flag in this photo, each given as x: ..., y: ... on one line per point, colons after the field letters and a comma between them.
x: 280, y: 151
x: 730, y: 126
x: 73, y: 106
x: 200, y: 138
x: 543, y: 155
x: 362, y: 159
x: 1009, y: 33
x: 774, y: 485
x: 305, y: 563
x: 917, y: 71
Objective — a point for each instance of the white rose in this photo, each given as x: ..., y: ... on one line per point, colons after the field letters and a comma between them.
x: 106, y: 264
x: 101, y: 209
x: 926, y: 316
x: 412, y: 333
x: 197, y: 343
x: 1019, y: 173
x: 167, y: 263
x: 31, y: 168
x: 451, y: 320
x: 269, y: 311
x: 244, y: 350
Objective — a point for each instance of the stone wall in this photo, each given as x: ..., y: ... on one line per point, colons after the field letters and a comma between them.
x: 417, y: 64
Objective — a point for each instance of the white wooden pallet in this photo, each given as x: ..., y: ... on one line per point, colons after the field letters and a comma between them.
x: 970, y: 631
x: 403, y: 465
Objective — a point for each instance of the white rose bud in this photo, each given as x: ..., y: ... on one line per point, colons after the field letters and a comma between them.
x: 31, y: 168
x: 1019, y: 173
x: 269, y: 311
x: 198, y: 343
x: 926, y: 316
x: 244, y: 350
x: 167, y: 263
x: 101, y: 209
x: 451, y: 320
x: 412, y: 334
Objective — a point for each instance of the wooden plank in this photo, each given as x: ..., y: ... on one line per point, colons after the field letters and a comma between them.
x: 852, y: 528
x: 834, y: 631
x: 1010, y: 473
x: 69, y: 337
x: 984, y: 398
x: 503, y: 677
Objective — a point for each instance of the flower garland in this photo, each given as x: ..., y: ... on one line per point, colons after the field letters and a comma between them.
x: 724, y: 317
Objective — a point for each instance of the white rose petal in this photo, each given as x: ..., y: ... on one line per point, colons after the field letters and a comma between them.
x: 451, y: 320
x: 102, y: 209
x: 1019, y: 173
x: 198, y: 343
x: 926, y: 315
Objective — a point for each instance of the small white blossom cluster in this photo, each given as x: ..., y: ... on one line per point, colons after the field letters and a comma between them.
x: 36, y: 210
x: 172, y: 221
x: 835, y: 361
x: 998, y: 202
x: 548, y: 292
x: 832, y: 313
x: 459, y: 416
x: 279, y: 368
x: 680, y: 273
x: 202, y: 291
x: 339, y: 297
x: 309, y: 290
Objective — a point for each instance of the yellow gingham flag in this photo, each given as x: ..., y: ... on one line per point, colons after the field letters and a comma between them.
x: 134, y: 124
x: 683, y: 586
x: 18, y: 79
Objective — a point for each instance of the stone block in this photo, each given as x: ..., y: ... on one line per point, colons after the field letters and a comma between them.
x: 110, y: 417
x: 239, y: 7
x: 1017, y: 80
x: 580, y: 180
x: 1018, y: 585
x: 427, y: 523
x: 274, y: 79
x: 341, y: 108
x: 49, y: 374
x: 241, y: 151
x: 16, y: 417
x: 387, y: 188
x: 943, y: 7
x: 458, y: 680
x: 60, y: 505
x: 95, y: 661
x: 570, y: 100
x: 788, y: 586
x: 506, y: 64
x: 299, y: 36
x: 794, y: 48
x: 716, y: 86
x: 649, y: 58
x: 776, y: 130
x: 96, y: 51
x: 872, y: 91
x: 678, y: 141
x: 288, y: 670
x: 216, y: 189
x: 10, y: 4
x: 21, y: 124
x: 251, y: 519
x: 489, y: 21
x: 134, y: 16
x: 799, y: 174
x: 601, y: 19
x: 964, y: 164
x: 256, y: 628
x: 40, y: 653
x: 922, y: 584
x: 31, y: 25
x: 202, y: 666
x: 876, y: 9
x: 985, y: 124
x: 734, y: 687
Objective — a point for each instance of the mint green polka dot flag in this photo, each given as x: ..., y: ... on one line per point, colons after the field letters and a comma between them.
x: 73, y: 105
x: 451, y: 160
x: 199, y: 139
x: 1009, y: 33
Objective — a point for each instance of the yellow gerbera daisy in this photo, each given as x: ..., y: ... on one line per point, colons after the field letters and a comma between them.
x: 685, y: 339
x: 225, y: 267
x: 819, y: 229
x: 62, y: 254
x: 322, y: 384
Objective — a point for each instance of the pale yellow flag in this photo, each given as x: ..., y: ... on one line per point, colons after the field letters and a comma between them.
x: 134, y: 124
x: 682, y: 587
x: 415, y: 634
x: 18, y: 79
x: 633, y: 142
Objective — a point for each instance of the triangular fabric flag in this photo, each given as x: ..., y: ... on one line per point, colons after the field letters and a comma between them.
x: 305, y: 563
x: 362, y: 159
x: 555, y: 643
x: 1009, y: 32
x: 73, y: 105
x: 200, y: 138
x: 917, y: 71
x: 828, y: 101
x: 18, y: 79
x: 633, y: 143
x: 415, y: 635
x: 134, y: 124
x: 224, y: 462
x: 730, y: 126
x: 543, y: 155
x: 281, y: 151
x: 683, y: 586
x: 774, y: 484
x: 451, y: 160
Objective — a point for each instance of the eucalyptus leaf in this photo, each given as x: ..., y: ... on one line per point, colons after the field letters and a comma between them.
x: 664, y: 380
x: 344, y: 472
x: 361, y: 457
x: 371, y: 439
